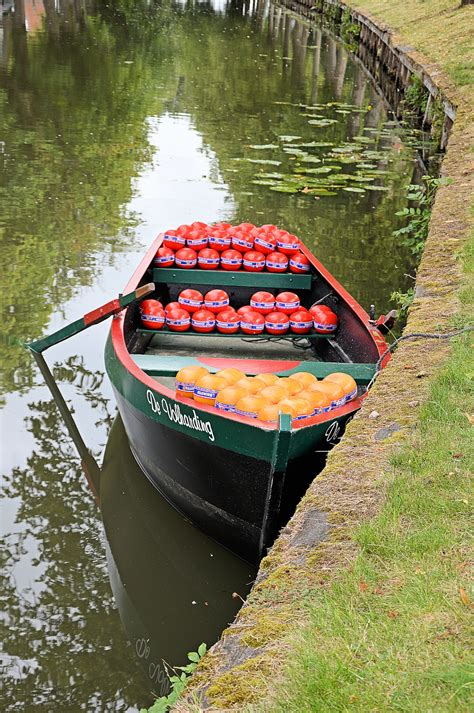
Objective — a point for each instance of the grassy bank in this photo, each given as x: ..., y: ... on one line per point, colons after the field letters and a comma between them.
x: 393, y: 632
x: 376, y: 617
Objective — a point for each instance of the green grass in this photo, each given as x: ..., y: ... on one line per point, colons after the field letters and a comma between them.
x: 392, y: 634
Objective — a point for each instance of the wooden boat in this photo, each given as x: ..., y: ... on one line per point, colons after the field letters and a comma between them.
x: 235, y: 477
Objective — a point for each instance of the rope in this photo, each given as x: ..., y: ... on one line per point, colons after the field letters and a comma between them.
x: 415, y: 335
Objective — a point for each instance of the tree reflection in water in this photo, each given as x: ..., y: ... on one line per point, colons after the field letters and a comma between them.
x: 63, y: 642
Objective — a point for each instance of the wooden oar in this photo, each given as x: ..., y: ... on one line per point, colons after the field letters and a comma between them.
x: 88, y: 462
x: 94, y: 317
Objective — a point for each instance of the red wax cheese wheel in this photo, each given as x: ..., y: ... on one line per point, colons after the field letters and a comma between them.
x: 324, y: 321
x: 164, y: 257
x: 178, y: 320
x: 244, y: 309
x: 288, y: 244
x: 228, y: 322
x: 183, y: 230
x: 216, y: 300
x: 199, y: 225
x: 203, y: 321
x: 252, y: 322
x: 219, y: 240
x: 241, y: 241
x: 172, y: 305
x: 221, y: 226
x: 265, y: 243
x: 299, y: 263
x: 173, y: 240
x: 208, y: 259
x: 196, y: 239
x: 190, y: 300
x: 319, y: 400
x: 152, y: 314
x: 271, y: 412
x: 263, y: 302
x: 302, y: 406
x: 254, y: 261
x: 207, y: 387
x: 228, y: 397
x: 319, y: 307
x: 305, y: 378
x: 277, y: 323
x: 231, y: 260
x: 287, y: 302
x: 276, y: 262
x: 231, y: 375
x: 347, y: 383
x: 186, y: 258
x: 249, y: 405
x: 301, y: 322
x: 186, y: 378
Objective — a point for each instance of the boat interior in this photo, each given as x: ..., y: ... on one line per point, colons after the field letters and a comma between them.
x: 162, y: 353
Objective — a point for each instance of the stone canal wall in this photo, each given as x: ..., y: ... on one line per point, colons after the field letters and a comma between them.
x: 317, y: 544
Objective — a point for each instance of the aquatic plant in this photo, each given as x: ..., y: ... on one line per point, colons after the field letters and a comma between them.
x: 178, y: 682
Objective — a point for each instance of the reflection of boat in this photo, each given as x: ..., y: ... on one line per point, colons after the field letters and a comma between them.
x: 233, y: 475
x: 172, y: 584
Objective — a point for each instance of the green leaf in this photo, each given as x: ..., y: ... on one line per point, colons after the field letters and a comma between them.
x: 202, y: 649
x: 193, y: 656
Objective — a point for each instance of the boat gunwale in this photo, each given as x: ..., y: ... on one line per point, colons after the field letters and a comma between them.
x: 123, y: 355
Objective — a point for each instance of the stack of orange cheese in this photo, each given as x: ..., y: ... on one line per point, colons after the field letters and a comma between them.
x: 265, y: 395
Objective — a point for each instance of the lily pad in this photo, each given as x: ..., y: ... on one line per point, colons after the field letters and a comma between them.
x: 282, y: 188
x: 322, y: 122
x: 261, y: 147
x: 270, y: 175
x: 353, y: 189
x: 285, y: 137
x: 311, y: 159
x: 264, y: 161
x: 264, y: 182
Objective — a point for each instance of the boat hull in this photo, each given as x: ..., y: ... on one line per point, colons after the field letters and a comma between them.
x: 236, y: 482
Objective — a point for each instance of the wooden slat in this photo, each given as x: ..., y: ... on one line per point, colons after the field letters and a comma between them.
x: 237, y: 335
x: 157, y: 365
x: 221, y: 278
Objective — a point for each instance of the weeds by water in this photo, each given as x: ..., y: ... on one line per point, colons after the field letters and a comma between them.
x: 178, y: 682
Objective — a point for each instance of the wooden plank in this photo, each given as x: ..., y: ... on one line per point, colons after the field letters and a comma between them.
x: 221, y: 278
x: 157, y: 365
x: 237, y: 335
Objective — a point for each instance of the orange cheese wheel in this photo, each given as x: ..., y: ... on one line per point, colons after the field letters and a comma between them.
x: 250, y: 404
x: 332, y: 389
x: 250, y: 384
x: 347, y: 383
x: 268, y: 378
x: 228, y: 397
x: 292, y: 386
x: 305, y: 378
x: 186, y: 378
x: 274, y: 393
x: 319, y: 400
x: 207, y: 387
x: 271, y: 412
x: 230, y: 375
x: 303, y: 408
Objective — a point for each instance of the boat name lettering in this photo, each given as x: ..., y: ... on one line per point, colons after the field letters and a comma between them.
x: 332, y: 432
x: 151, y: 398
x: 174, y: 413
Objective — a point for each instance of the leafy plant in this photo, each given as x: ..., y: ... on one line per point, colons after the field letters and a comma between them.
x: 416, y: 95
x: 403, y: 299
x: 178, y: 682
x: 415, y: 232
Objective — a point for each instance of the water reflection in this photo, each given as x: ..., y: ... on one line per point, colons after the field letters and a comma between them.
x: 174, y: 587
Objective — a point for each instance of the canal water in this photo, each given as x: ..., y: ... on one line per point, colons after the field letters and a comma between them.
x: 118, y: 120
